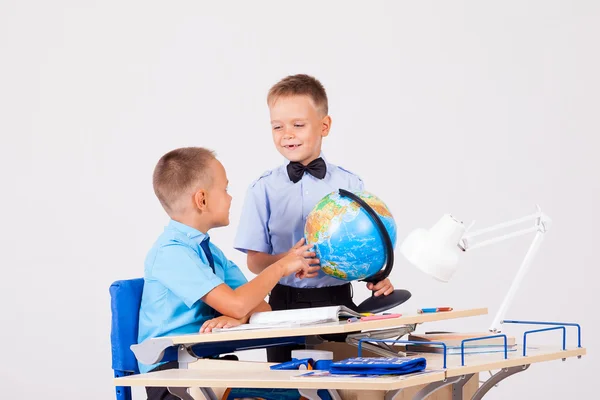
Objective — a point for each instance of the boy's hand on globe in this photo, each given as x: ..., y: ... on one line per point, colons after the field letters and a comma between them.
x: 383, y: 287
x: 296, y: 262
x: 314, y: 268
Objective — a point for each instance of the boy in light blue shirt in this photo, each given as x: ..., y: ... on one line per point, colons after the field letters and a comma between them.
x: 278, y: 203
x: 189, y: 284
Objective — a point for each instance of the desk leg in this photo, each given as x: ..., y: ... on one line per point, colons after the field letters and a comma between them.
x: 457, y: 388
x: 311, y: 394
x: 497, y: 377
x: 427, y: 390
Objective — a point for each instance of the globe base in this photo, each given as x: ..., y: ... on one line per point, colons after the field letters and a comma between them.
x: 383, y: 303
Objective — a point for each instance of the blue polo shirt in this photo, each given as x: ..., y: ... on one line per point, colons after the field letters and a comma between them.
x: 177, y: 275
x: 275, y: 210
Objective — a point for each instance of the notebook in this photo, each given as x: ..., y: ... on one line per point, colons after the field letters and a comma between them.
x: 294, y: 318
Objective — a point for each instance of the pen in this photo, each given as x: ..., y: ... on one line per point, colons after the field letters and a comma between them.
x: 434, y: 310
x: 383, y: 316
x: 353, y: 319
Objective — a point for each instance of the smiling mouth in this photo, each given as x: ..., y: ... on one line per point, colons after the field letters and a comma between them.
x: 292, y: 146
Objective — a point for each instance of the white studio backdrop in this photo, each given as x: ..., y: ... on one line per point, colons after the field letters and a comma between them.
x: 475, y: 108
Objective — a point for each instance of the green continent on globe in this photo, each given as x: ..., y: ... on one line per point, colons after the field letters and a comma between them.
x: 376, y: 204
x: 331, y: 269
x: 325, y: 212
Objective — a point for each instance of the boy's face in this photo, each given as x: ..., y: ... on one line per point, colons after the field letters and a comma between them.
x: 298, y: 128
x: 218, y: 201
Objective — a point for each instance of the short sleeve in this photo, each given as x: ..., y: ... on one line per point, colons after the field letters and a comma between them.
x: 358, y: 184
x: 234, y: 277
x: 253, y: 231
x: 181, y: 271
x: 354, y: 183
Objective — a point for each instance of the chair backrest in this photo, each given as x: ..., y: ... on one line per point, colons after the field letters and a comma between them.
x: 125, y: 299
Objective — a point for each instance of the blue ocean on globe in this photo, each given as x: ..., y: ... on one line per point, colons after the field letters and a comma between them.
x: 346, y: 239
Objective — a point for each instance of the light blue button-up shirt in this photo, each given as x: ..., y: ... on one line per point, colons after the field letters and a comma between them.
x: 176, y: 276
x: 275, y: 211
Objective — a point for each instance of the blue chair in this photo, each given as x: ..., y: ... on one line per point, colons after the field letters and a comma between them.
x: 126, y: 297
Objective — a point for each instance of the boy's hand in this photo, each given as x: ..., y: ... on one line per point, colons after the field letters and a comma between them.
x: 313, y: 270
x: 295, y: 262
x: 220, y: 322
x: 384, y: 287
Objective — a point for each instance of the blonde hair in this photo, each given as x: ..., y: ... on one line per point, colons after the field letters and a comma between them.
x: 300, y: 85
x: 179, y: 172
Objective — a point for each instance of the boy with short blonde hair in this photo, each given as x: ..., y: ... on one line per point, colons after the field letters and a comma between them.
x: 189, y: 284
x: 277, y: 204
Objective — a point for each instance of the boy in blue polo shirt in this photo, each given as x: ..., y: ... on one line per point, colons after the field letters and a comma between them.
x: 278, y: 203
x: 188, y: 281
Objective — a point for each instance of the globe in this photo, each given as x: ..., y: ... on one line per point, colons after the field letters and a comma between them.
x: 346, y: 238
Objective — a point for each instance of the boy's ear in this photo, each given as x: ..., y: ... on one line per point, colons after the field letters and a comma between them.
x: 325, y: 125
x: 200, y: 199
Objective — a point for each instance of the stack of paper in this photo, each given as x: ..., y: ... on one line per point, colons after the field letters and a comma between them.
x: 453, y: 343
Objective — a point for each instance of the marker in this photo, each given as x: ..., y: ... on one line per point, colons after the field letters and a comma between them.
x: 382, y: 316
x: 353, y: 319
x: 434, y: 310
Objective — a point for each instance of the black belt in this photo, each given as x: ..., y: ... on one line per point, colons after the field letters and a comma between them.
x: 331, y: 294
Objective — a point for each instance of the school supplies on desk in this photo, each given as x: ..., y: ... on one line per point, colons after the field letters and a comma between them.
x: 433, y: 310
x: 453, y: 339
x: 304, y: 363
x: 380, y: 316
x: 450, y: 350
x: 453, y: 342
x: 379, y: 365
x: 307, y: 359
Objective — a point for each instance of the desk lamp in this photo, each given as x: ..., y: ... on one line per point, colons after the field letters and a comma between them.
x: 437, y: 251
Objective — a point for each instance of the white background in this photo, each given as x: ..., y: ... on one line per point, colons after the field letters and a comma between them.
x: 481, y: 109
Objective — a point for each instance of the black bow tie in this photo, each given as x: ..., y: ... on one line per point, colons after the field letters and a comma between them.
x: 316, y: 168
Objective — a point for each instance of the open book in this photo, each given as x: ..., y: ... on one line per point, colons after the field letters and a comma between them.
x: 295, y: 317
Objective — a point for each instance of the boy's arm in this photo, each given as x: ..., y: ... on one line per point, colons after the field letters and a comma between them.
x: 229, y: 322
x: 257, y: 261
x: 238, y: 303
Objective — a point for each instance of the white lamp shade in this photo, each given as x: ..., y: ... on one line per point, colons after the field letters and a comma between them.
x: 435, y: 251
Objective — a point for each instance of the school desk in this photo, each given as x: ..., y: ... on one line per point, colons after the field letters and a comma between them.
x: 455, y: 381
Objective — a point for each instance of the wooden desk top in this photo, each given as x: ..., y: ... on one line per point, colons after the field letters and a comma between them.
x: 322, y: 329
x: 259, y: 376
x: 272, y: 379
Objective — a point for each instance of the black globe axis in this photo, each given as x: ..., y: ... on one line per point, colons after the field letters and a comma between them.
x: 377, y: 304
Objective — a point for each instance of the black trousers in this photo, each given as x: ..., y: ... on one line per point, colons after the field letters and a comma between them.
x: 287, y: 297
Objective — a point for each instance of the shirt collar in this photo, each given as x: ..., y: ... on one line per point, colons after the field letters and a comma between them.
x: 286, y: 161
x: 187, y: 230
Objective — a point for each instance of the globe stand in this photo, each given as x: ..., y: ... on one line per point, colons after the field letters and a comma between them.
x: 376, y: 304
